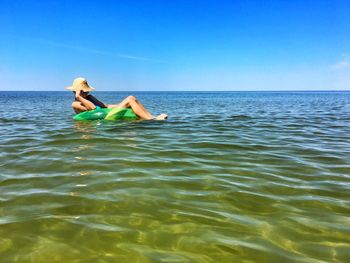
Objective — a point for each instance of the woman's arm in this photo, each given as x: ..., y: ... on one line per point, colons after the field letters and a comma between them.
x: 97, y: 102
x: 87, y: 104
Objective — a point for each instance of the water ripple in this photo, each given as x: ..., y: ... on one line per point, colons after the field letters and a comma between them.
x: 263, y: 176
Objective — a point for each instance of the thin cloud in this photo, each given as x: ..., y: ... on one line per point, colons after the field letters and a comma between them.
x: 76, y: 48
x: 89, y: 50
x: 344, y: 63
x: 134, y: 57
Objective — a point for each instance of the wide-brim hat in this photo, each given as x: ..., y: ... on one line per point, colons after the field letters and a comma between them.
x: 80, y: 84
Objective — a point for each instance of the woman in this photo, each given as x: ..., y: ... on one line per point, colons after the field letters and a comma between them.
x: 85, y: 101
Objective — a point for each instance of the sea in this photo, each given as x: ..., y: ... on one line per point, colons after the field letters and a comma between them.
x: 229, y: 177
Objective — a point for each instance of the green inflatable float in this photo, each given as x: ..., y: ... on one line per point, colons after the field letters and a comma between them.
x: 107, y: 114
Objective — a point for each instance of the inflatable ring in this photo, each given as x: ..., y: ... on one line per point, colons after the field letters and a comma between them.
x: 107, y: 114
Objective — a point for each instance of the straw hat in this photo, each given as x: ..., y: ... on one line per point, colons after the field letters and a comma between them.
x: 80, y: 84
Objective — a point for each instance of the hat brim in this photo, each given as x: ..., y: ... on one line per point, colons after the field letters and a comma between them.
x: 86, y: 89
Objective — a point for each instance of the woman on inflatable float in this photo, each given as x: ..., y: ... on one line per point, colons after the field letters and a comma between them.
x: 86, y: 102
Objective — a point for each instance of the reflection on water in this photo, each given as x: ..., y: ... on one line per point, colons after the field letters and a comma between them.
x: 230, y: 177
x: 85, y: 127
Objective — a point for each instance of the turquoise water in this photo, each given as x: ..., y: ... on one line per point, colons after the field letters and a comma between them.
x: 230, y: 177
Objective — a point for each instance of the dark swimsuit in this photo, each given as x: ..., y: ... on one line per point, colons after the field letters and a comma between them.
x: 98, y: 104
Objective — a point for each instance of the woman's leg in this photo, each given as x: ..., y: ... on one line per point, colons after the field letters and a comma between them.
x: 136, y: 106
x: 139, y: 109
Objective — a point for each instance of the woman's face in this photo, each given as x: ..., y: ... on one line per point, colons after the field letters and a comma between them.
x: 84, y: 93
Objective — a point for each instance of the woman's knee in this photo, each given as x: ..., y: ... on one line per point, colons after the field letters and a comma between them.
x: 75, y: 104
x: 77, y: 107
x: 131, y: 98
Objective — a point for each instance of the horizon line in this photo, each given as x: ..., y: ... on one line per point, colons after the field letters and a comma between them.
x: 324, y: 90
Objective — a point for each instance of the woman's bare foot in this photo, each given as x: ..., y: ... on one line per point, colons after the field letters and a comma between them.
x: 160, y: 117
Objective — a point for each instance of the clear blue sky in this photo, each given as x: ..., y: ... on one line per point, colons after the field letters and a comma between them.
x: 175, y: 45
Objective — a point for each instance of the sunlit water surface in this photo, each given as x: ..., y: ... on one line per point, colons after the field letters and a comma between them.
x: 230, y: 177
